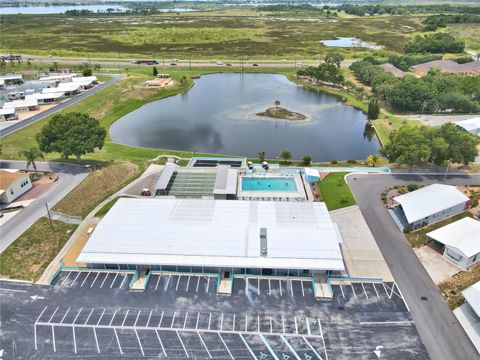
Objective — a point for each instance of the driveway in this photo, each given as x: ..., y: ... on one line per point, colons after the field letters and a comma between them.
x: 69, y: 176
x: 439, y: 329
x: 21, y: 124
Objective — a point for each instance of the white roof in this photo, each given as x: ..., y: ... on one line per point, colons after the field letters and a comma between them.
x: 38, y: 96
x: 225, y: 180
x: 87, y: 79
x: 472, y: 296
x: 63, y: 87
x: 8, y: 111
x: 463, y: 235
x: 57, y: 77
x: 311, y: 172
x: 20, y: 103
x: 429, y: 200
x: 470, y: 124
x: 215, y: 233
x: 11, y: 77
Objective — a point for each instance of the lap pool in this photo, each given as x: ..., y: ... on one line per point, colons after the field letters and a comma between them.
x: 268, y: 184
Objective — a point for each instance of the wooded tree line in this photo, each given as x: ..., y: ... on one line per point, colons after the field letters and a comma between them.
x: 435, y: 92
x: 437, y: 43
x: 434, y: 22
x: 362, y: 10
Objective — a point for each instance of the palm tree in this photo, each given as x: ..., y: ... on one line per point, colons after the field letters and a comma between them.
x: 277, y: 103
x: 374, y: 159
x: 286, y: 155
x: 31, y: 155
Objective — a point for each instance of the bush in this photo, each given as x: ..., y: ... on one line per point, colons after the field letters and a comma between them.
x: 87, y: 72
x: 412, y: 187
x: 334, y: 162
x: 351, y: 161
x: 307, y: 159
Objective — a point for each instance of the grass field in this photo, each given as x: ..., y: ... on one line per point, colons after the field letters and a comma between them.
x: 335, y: 191
x: 230, y: 33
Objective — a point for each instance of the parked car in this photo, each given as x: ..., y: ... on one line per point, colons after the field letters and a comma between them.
x: 255, y: 65
x: 173, y: 64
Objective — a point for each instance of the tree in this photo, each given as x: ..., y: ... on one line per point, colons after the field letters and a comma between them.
x: 408, y: 146
x: 87, y: 72
x: 261, y: 156
x: 373, y: 109
x: 277, y: 103
x: 31, y: 155
x: 307, y: 159
x: 286, y: 155
x: 334, y: 59
x: 71, y: 134
x: 374, y: 159
x: 97, y: 67
x: 155, y: 71
x: 55, y: 66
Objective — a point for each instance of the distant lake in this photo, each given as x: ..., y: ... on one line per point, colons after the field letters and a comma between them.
x: 350, y: 42
x: 218, y: 116
x: 59, y: 9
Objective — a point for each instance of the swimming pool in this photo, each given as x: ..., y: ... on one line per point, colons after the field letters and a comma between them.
x: 268, y: 184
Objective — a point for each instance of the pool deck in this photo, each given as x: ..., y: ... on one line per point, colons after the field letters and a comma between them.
x: 298, y: 195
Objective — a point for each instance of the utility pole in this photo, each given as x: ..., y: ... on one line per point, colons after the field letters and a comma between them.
x: 49, y: 217
x: 446, y: 171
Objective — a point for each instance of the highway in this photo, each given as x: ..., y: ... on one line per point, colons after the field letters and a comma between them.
x: 69, y: 176
x: 21, y: 124
x: 439, y: 329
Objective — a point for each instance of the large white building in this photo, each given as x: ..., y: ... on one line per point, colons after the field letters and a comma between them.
x: 468, y: 314
x: 461, y: 241
x: 194, y: 235
x: 470, y: 125
x: 431, y: 204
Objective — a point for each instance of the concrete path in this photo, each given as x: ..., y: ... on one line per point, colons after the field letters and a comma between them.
x: 439, y: 329
x: 21, y: 124
x: 69, y: 176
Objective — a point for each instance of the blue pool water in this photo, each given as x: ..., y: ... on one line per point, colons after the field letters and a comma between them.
x: 268, y: 184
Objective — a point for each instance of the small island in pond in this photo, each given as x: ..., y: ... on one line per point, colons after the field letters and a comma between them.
x: 282, y: 113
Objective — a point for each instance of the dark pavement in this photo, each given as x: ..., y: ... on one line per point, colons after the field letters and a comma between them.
x: 439, y: 329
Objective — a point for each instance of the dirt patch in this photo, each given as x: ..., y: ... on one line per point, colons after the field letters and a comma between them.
x: 451, y: 289
x: 282, y: 113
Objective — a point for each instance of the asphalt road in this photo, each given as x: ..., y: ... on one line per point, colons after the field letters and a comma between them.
x: 61, y: 106
x: 69, y: 176
x: 439, y: 329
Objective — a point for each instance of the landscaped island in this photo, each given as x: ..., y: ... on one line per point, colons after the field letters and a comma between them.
x: 282, y: 113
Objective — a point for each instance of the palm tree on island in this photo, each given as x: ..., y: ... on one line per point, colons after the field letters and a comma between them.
x: 374, y: 159
x: 32, y: 154
x: 277, y: 103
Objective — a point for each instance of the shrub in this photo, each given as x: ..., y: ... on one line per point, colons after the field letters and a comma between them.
x: 412, y: 187
x: 351, y: 161
x: 307, y: 159
x: 334, y: 162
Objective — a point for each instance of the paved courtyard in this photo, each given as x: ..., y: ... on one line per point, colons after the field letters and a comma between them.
x: 94, y: 315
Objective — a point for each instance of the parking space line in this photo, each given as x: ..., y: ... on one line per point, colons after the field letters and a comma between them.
x: 290, y: 347
x: 258, y: 322
x: 138, y: 315
x: 354, y: 293
x: 271, y: 325
x: 168, y: 281
x: 323, y: 339
x: 283, y: 324
x: 53, y: 339
x: 126, y: 315
x: 96, y: 339
x: 74, y: 340
x: 226, y: 347
x: 341, y: 288
x: 158, y: 281
x: 178, y: 282
x: 209, y: 320
x: 139, y: 343
x: 303, y: 291
x: 384, y: 287
x: 258, y: 287
x: 308, y: 327
x: 221, y: 323
x: 312, y: 348
x: 184, y: 349
x: 291, y: 287
x: 198, y: 317
x: 161, y: 344
x: 185, y: 321
x: 248, y: 347
x: 88, y: 318
x: 101, y: 285
x: 76, y: 317
x: 173, y: 318
x: 113, y: 281
x: 269, y: 287
x: 86, y: 277
x: 149, y: 317
x: 363, y: 287
x: 376, y: 292
x: 296, y: 325
x: 51, y: 317
x: 123, y: 281
x: 233, y: 329
x: 64, y: 280
x: 161, y: 318
x: 35, y: 326
x: 280, y: 284
x: 204, y: 345
x: 188, y: 283
x: 64, y: 316
x: 404, y: 301
x: 74, y: 280
x: 268, y: 347
x: 198, y: 283
x: 118, y: 341
x: 114, y: 313
x: 101, y: 316
x: 246, y: 322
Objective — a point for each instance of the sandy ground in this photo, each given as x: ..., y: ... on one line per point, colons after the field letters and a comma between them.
x: 70, y: 257
x: 436, y: 265
x: 28, y: 114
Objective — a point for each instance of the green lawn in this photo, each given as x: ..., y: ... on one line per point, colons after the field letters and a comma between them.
x: 335, y: 191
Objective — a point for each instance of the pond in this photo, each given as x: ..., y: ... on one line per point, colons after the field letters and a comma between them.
x: 218, y: 115
x: 60, y: 9
x: 350, y: 42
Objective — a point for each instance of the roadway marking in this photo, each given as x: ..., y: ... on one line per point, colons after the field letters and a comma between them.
x: 53, y: 338
x: 269, y: 287
x: 283, y: 324
x: 188, y: 283
x: 363, y: 287
x: 291, y: 287
x: 308, y: 328
x: 226, y: 347
x: 101, y: 316
x: 296, y: 325
x: 376, y: 292
x: 115, y: 278
x: 209, y: 320
x: 161, y: 318
x: 280, y: 284
x: 173, y: 318
x: 118, y: 341
x: 63, y: 282
x: 86, y: 277
x: 303, y: 291
x: 101, y: 285
x: 88, y: 318
x: 161, y: 344
x: 149, y: 317
x: 354, y: 293
x: 184, y: 349
x: 74, y: 280
x: 123, y: 281
x: 268, y: 346
x: 385, y: 290
x: 51, y: 317
x: 198, y: 283
x: 233, y: 328
x: 221, y: 323
x: 35, y: 326
x: 139, y: 343
x: 114, y: 313
x: 74, y: 340
x: 178, y: 282
x: 271, y: 325
x: 96, y: 339
x: 125, y: 318
x: 290, y: 348
x: 64, y: 316
x: 311, y: 347
x: 185, y: 321
x: 198, y: 317
x: 323, y: 339
x: 168, y: 281
x: 341, y: 288
x: 204, y: 345
x: 248, y: 347
x: 373, y: 323
x: 158, y: 282
x: 138, y: 315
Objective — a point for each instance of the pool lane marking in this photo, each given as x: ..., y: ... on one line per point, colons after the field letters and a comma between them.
x: 248, y: 347
x: 181, y: 342
x: 312, y: 348
x: 290, y: 348
x: 268, y: 347
x: 139, y: 343
x: 204, y: 345
x: 118, y: 341
x: 161, y: 344
x: 226, y: 347
x: 113, y: 282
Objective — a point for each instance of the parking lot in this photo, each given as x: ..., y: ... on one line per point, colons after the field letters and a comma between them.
x: 92, y: 279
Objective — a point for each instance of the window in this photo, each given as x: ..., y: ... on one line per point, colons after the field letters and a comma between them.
x: 11, y: 191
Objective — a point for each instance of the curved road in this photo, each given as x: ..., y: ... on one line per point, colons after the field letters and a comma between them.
x: 61, y: 106
x: 69, y: 176
x: 439, y: 329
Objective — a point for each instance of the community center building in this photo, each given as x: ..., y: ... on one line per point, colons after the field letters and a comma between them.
x: 431, y: 204
x: 216, y: 236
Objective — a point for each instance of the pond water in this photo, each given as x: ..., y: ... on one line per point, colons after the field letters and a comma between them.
x: 350, y: 42
x: 59, y: 9
x: 218, y: 116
